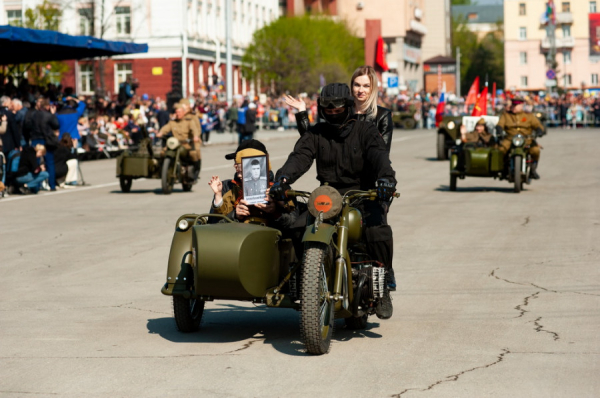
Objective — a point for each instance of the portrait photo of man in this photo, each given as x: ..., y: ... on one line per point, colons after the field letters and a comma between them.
x: 255, y: 179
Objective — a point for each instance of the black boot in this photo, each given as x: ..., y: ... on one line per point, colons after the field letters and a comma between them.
x: 533, y: 171
x: 197, y: 166
x: 385, y: 309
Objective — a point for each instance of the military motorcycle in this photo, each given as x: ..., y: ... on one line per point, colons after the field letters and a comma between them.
x: 175, y: 168
x: 471, y: 160
x: 140, y: 163
x: 332, y: 278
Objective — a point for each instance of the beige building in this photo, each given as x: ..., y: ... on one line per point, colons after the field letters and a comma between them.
x: 526, y: 45
x: 438, y: 40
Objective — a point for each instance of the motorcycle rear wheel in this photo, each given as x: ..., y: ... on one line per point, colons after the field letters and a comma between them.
x: 317, y: 316
x: 188, y: 313
x: 353, y: 323
x: 167, y: 179
x: 125, y: 183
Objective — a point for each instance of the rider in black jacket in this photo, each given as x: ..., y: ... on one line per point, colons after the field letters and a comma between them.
x: 342, y: 147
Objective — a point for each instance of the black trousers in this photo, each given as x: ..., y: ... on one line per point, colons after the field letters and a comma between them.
x: 378, y: 234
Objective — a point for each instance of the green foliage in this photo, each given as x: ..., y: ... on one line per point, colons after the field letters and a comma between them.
x: 294, y: 52
x: 45, y: 16
x: 479, y: 57
x: 462, y: 2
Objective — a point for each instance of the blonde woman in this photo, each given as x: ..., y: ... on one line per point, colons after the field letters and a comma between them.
x: 32, y: 170
x: 364, y: 87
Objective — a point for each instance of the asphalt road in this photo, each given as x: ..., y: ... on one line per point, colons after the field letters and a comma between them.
x: 498, y: 293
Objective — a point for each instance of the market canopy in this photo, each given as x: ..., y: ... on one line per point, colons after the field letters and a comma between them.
x: 22, y: 45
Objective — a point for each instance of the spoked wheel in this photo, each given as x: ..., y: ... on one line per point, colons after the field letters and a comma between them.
x: 167, y: 179
x: 188, y: 313
x: 317, y: 306
x: 518, y: 165
x: 354, y: 323
x: 125, y: 183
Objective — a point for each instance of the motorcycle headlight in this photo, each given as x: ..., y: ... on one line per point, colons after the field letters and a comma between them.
x: 458, y: 141
x: 451, y: 125
x: 172, y: 143
x: 518, y: 140
x: 183, y: 224
x: 538, y: 115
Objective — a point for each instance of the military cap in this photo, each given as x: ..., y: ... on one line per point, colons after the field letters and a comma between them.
x: 481, y: 121
x: 517, y: 100
x: 253, y: 144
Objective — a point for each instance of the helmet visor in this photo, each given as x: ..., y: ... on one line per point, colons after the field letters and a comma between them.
x: 332, y: 102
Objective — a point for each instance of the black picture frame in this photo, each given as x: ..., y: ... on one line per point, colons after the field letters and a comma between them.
x: 255, y: 179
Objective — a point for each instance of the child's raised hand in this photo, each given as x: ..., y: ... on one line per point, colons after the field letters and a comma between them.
x: 216, y: 184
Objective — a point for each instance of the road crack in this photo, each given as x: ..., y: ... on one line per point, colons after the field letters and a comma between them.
x: 456, y: 376
x: 493, y: 273
x: 520, y: 307
x: 244, y: 347
x: 540, y: 328
x: 526, y: 222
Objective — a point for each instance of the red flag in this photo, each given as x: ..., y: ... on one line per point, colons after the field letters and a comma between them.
x: 473, y: 91
x: 380, y: 55
x: 439, y: 113
x: 480, y: 108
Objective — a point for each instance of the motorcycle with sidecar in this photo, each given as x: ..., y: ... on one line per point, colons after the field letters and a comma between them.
x: 169, y: 166
x: 332, y: 278
x: 472, y: 160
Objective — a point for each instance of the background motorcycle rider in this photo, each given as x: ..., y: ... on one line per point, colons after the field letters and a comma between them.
x: 343, y: 147
x: 515, y: 121
x: 186, y: 126
x: 479, y: 136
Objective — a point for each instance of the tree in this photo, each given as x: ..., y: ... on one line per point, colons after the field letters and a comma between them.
x: 479, y: 57
x: 462, y: 2
x: 294, y: 52
x: 45, y: 16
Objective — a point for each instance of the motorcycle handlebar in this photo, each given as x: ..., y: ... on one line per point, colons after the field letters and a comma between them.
x: 370, y: 194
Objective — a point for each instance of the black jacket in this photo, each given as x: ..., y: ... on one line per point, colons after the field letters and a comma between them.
x: 31, y: 129
x: 12, y: 138
x: 28, y: 162
x: 341, y: 157
x: 383, y: 121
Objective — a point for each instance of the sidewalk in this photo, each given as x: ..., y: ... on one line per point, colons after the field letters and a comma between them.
x: 228, y: 138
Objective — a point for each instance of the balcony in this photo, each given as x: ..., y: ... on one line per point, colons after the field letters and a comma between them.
x: 564, y: 18
x: 561, y: 42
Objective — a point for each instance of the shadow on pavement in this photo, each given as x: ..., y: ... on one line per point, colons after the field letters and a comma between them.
x: 446, y: 188
x: 432, y: 159
x: 230, y: 323
x: 157, y: 191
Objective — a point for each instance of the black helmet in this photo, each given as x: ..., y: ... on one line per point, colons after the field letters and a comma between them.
x: 333, y: 96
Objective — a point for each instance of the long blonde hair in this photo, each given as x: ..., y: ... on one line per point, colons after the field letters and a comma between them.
x: 370, y: 105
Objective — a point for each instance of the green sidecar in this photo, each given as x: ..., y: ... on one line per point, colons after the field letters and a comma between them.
x: 141, y: 163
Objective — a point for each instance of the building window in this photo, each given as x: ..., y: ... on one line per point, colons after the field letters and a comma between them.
x: 86, y: 77
x: 523, y: 81
x: 122, y: 72
x: 86, y: 21
x: 567, y: 80
x: 123, y: 20
x: 566, y: 6
x: 14, y: 17
x: 595, y: 78
x: 523, y: 57
x: 523, y: 33
x: 592, y: 6
x: 566, y: 31
x: 567, y: 57
x: 522, y: 9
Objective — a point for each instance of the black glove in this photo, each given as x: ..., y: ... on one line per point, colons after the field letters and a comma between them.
x: 278, y: 190
x: 385, y: 189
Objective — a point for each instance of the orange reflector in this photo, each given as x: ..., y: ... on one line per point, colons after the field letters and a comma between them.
x: 323, y: 203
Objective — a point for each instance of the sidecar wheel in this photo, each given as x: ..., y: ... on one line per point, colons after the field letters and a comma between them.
x: 442, y: 150
x: 517, y: 177
x: 125, y: 183
x: 167, y: 180
x: 188, y: 313
x: 316, y: 322
x: 353, y: 323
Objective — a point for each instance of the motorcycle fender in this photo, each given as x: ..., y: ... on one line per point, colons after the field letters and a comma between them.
x: 323, y: 234
x: 180, y: 274
x: 518, y: 151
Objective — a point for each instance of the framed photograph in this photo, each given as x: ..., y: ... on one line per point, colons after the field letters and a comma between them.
x: 255, y: 172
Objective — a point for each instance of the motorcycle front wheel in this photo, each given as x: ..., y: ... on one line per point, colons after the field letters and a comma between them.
x: 125, y: 183
x: 167, y: 179
x: 316, y: 323
x: 518, y: 165
x: 188, y: 313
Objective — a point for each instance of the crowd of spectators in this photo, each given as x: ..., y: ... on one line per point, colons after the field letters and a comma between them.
x: 41, y: 115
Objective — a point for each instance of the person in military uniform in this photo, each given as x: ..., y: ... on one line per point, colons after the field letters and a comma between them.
x: 515, y: 121
x: 186, y: 128
x: 480, y: 136
x: 255, y: 185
